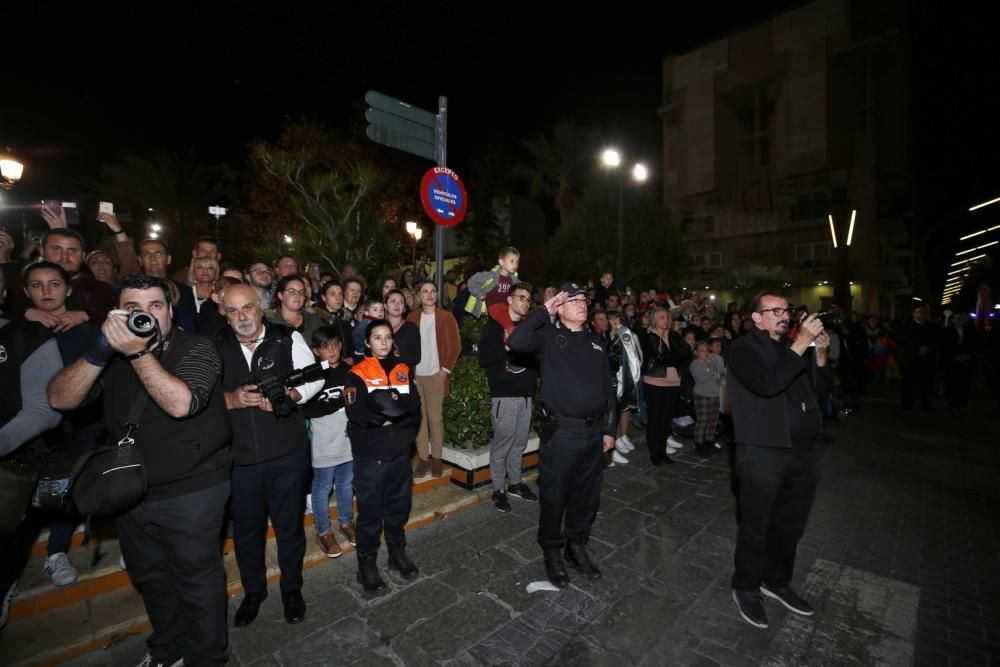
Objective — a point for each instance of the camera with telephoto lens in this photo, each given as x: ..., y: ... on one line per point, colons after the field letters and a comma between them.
x: 273, y: 387
x: 141, y: 323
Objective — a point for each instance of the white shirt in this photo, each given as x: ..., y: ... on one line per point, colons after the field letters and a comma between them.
x: 429, y: 364
x: 302, y: 356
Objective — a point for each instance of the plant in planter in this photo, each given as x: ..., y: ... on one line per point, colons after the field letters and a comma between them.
x: 467, y: 407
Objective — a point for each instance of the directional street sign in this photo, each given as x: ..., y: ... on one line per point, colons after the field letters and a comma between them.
x: 443, y: 196
x: 398, y: 125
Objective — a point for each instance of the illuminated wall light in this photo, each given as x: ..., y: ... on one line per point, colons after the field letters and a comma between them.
x: 964, y: 268
x: 833, y: 233
x: 985, y: 245
x: 985, y: 203
x: 850, y: 230
x: 971, y: 259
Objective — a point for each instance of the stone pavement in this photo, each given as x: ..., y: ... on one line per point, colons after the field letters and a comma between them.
x: 901, y: 558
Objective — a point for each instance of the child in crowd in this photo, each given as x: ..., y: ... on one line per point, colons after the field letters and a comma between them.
x: 374, y: 310
x: 493, y: 287
x: 707, y: 370
x: 333, y: 464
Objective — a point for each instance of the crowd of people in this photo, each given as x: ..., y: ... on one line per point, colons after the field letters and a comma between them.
x: 219, y: 445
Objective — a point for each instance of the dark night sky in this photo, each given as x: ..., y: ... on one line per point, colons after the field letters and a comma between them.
x: 86, y: 87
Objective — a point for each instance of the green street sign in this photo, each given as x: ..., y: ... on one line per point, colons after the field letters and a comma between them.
x: 401, y: 141
x: 399, y: 108
x: 400, y: 125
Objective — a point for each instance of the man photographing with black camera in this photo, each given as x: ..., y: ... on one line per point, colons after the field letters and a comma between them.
x: 160, y: 387
x: 773, y: 385
x: 270, y: 448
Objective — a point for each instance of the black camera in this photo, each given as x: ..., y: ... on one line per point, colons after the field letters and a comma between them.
x: 141, y: 323
x: 829, y: 320
x: 273, y: 387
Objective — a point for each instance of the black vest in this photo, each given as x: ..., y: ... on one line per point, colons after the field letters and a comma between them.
x: 257, y: 435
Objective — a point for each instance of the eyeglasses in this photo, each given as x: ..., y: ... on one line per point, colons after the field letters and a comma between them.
x: 295, y: 292
x: 153, y: 254
x: 582, y: 300
x: 521, y: 297
x: 778, y: 312
x: 261, y: 271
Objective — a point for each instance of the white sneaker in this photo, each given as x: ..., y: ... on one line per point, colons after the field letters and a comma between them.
x: 121, y: 562
x: 671, y: 450
x: 674, y: 442
x: 309, y: 503
x: 8, y: 597
x: 628, y: 443
x: 717, y: 445
x: 60, y: 570
x: 618, y: 458
x: 621, y: 447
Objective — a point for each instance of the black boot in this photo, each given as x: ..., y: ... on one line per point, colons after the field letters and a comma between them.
x: 368, y: 575
x: 579, y: 559
x: 704, y: 449
x: 555, y: 569
x: 398, y: 560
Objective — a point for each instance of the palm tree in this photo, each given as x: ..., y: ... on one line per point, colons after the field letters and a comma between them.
x: 556, y: 166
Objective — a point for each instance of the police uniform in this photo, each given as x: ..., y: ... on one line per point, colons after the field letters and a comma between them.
x: 578, y: 404
x: 382, y: 475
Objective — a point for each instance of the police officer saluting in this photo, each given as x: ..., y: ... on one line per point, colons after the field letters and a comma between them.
x: 383, y: 413
x: 579, y: 422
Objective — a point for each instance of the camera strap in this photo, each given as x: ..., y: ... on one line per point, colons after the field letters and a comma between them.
x: 141, y: 397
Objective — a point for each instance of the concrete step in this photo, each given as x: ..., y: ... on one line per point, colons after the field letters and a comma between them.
x: 49, y: 625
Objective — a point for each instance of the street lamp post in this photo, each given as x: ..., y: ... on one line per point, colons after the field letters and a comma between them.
x: 612, y: 159
x: 841, y: 283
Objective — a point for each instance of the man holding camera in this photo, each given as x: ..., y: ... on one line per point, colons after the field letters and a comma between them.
x: 773, y: 386
x: 270, y: 448
x: 170, y: 540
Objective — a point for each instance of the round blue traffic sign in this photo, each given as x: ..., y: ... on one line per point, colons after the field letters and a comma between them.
x: 443, y: 196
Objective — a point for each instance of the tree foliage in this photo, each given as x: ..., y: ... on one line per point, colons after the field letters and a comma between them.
x: 337, y: 198
x: 746, y: 282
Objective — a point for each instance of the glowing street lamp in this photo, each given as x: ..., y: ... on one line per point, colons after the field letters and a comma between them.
x: 416, y: 233
x: 10, y: 171
x: 612, y: 159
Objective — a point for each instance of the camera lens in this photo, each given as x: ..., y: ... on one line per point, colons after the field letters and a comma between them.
x: 141, y: 323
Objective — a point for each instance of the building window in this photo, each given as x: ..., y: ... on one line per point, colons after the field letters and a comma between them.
x: 754, y: 116
x: 810, y: 252
x: 707, y: 260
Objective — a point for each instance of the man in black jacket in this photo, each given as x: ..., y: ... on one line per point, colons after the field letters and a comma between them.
x: 773, y: 384
x: 270, y: 452
x: 171, y: 539
x: 510, y: 406
x: 917, y: 351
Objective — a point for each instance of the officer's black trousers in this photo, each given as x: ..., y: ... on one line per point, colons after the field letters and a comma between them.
x: 276, y: 488
x: 918, y: 379
x: 569, y: 484
x: 777, y: 486
x: 384, y: 491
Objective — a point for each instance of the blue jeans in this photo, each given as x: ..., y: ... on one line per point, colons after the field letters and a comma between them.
x: 324, y: 480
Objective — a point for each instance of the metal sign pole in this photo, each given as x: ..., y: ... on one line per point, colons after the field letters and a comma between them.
x: 441, y: 150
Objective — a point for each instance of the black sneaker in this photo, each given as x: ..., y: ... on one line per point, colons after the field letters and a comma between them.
x: 789, y: 598
x: 511, y: 368
x: 522, y: 491
x: 751, y: 607
x: 500, y: 501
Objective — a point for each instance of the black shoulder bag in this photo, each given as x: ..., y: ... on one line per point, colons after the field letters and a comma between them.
x: 110, y: 480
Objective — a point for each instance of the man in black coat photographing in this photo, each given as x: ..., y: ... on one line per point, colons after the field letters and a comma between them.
x: 774, y: 382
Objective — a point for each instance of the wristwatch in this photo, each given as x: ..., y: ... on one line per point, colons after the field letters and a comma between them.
x: 140, y: 353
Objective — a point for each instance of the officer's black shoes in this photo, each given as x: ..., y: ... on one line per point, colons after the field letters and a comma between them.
x: 789, y: 598
x: 295, y: 606
x: 247, y: 612
x: 555, y: 569
x: 522, y: 491
x: 500, y: 501
x: 579, y: 560
x: 663, y: 460
x: 751, y: 607
x: 399, y: 561
x: 368, y: 575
